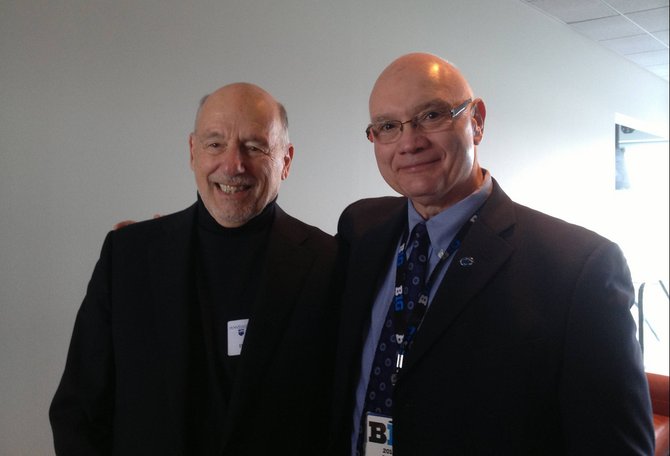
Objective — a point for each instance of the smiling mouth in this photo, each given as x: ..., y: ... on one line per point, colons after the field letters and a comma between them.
x: 232, y: 189
x: 418, y: 166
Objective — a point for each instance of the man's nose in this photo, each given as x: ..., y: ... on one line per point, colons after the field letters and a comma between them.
x: 412, y: 138
x: 232, y: 160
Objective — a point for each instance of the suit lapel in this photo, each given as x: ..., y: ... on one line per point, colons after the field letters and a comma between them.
x: 372, y: 258
x: 485, y: 250
x: 369, y: 260
x: 282, y: 279
x: 184, y: 343
x: 170, y: 289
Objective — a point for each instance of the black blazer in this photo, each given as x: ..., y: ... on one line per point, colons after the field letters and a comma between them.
x: 138, y: 378
x: 530, y: 350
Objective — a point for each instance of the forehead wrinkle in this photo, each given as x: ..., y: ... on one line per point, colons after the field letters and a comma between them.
x: 238, y: 125
x: 209, y: 134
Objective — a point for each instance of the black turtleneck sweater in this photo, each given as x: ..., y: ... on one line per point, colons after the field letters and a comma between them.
x: 230, y: 261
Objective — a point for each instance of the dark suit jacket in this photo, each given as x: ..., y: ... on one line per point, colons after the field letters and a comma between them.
x: 531, y: 350
x: 138, y: 378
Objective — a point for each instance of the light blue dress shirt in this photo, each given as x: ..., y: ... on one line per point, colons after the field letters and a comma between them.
x: 442, y: 228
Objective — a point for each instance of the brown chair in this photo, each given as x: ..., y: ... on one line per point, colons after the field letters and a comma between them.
x: 659, y: 389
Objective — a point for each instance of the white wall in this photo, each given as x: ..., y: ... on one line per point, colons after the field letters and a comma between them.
x: 97, y: 99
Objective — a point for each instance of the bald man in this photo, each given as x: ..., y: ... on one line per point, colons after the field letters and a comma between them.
x: 474, y: 325
x: 209, y: 331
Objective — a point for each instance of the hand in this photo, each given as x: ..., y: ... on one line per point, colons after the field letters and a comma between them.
x: 123, y: 223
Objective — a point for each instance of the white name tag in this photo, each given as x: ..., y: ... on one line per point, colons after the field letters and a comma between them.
x: 378, y: 435
x: 236, y: 331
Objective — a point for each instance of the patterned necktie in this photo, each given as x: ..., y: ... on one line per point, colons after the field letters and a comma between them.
x: 378, y: 397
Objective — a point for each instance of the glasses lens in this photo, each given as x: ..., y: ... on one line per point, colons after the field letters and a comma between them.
x: 386, y: 132
x: 433, y: 120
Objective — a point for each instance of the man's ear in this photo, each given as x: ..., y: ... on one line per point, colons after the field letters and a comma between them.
x: 288, y: 158
x: 191, y: 145
x: 478, y: 118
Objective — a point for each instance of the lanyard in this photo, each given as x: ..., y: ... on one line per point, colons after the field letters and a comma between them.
x: 406, y: 321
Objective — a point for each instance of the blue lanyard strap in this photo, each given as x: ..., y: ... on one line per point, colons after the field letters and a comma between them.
x: 406, y: 321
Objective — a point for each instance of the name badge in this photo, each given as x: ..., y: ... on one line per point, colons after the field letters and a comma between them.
x: 378, y: 435
x: 236, y: 331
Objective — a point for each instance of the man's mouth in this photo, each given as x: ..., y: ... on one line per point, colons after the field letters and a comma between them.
x: 411, y: 167
x: 232, y: 189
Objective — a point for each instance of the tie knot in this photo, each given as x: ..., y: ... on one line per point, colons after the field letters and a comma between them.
x: 419, y: 230
x: 419, y: 235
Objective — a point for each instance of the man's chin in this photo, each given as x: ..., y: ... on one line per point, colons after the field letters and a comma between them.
x: 235, y: 218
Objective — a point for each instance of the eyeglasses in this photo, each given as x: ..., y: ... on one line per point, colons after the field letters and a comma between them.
x: 388, y: 131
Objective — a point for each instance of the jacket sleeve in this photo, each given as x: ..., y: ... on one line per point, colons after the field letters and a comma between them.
x: 81, y: 412
x: 605, y: 401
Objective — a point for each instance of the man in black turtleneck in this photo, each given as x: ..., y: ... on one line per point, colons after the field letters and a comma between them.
x: 210, y: 331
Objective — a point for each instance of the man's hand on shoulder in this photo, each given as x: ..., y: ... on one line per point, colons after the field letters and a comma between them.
x: 124, y: 223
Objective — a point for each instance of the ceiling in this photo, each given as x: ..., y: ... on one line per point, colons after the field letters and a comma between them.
x: 636, y: 29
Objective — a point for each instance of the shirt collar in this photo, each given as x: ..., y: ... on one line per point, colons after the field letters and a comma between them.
x: 443, y: 227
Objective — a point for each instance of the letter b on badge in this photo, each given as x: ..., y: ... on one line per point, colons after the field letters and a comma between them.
x: 379, y: 438
x: 377, y: 432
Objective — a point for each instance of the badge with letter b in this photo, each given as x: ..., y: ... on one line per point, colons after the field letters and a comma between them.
x: 378, y: 435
